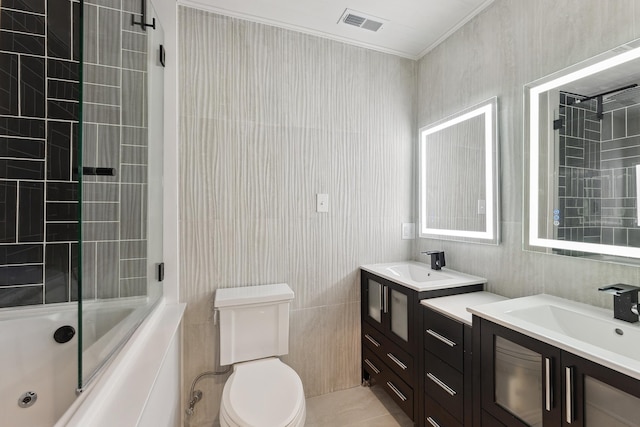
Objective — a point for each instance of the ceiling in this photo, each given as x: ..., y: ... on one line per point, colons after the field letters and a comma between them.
x: 410, y: 28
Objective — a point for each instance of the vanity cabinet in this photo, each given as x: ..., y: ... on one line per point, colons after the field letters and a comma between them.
x: 526, y: 382
x: 393, y: 339
x: 386, y: 307
x: 447, y: 371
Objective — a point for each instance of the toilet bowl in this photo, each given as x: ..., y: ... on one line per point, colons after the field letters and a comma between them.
x: 263, y: 393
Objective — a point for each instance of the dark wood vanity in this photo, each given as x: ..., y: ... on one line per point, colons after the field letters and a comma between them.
x: 394, y: 340
x: 447, y: 369
x: 527, y: 382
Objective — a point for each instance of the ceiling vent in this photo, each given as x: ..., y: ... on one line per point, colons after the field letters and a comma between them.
x: 361, y: 20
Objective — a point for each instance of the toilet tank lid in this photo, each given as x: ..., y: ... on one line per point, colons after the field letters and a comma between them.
x: 229, y: 297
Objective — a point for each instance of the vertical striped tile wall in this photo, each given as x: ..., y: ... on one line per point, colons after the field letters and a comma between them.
x: 269, y: 118
x: 477, y: 62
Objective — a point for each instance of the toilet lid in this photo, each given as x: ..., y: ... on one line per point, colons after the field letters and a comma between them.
x: 263, y: 392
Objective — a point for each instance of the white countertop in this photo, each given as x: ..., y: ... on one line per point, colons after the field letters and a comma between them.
x: 400, y: 272
x: 456, y: 306
x: 584, y: 330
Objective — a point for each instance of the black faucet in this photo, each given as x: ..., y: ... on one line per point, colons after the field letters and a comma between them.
x: 437, y: 259
x: 625, y: 301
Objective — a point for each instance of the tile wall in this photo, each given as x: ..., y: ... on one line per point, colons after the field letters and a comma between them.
x: 579, y: 180
x: 477, y: 62
x: 39, y: 111
x: 38, y: 139
x: 597, y: 177
x: 268, y: 118
x: 115, y: 135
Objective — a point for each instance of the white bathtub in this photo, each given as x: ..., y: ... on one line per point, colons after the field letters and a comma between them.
x: 32, y: 361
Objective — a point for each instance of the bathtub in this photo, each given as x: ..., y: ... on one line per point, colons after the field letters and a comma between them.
x: 32, y: 361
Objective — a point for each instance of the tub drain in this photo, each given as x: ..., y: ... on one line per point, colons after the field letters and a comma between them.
x: 64, y: 334
x: 27, y: 399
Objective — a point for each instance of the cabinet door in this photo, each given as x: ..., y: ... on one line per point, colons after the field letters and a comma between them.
x: 389, y: 308
x: 374, y: 292
x: 519, y: 380
x: 399, y: 314
x: 596, y: 396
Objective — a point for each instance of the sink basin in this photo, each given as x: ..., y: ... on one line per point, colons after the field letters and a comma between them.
x: 596, y: 331
x: 417, y: 273
x: 420, y: 276
x: 584, y: 330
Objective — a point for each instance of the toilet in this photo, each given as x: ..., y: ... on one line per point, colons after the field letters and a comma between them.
x: 262, y: 391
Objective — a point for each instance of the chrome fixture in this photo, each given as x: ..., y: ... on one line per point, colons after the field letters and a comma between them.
x: 196, y: 395
x: 625, y: 301
x: 27, y: 399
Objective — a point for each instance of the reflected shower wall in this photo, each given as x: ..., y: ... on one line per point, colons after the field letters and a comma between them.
x: 597, y: 197
x: 39, y: 64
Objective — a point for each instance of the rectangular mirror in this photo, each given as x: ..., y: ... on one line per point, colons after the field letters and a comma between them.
x: 458, y: 175
x: 582, y: 128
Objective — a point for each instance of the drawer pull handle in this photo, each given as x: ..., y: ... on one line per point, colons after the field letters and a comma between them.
x: 569, y: 393
x: 374, y: 342
x: 433, y: 422
x: 397, y: 361
x: 445, y: 387
x: 372, y: 366
x: 441, y: 338
x: 396, y: 391
x: 547, y: 384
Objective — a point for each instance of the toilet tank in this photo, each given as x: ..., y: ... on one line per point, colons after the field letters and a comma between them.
x: 254, y: 322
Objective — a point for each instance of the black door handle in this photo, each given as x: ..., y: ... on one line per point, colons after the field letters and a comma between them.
x: 90, y: 170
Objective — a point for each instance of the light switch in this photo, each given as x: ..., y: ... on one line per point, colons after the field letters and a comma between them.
x: 482, y: 207
x: 408, y: 230
x: 322, y: 202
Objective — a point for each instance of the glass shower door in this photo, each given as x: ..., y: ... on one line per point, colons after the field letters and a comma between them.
x: 121, y: 180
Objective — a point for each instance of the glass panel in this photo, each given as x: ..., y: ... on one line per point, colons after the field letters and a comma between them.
x: 155, y: 156
x: 375, y: 302
x: 518, y: 381
x: 607, y: 406
x: 399, y: 315
x: 122, y: 201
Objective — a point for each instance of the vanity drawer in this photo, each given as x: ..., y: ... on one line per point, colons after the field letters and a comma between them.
x: 373, y: 338
x: 445, y: 385
x: 436, y: 416
x: 394, y: 357
x: 444, y: 336
x: 373, y: 366
x: 399, y: 391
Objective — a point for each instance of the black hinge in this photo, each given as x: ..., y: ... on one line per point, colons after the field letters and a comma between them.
x: 143, y: 20
x: 160, y: 271
x: 557, y: 124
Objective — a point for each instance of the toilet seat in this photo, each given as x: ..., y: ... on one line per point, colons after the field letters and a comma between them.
x: 263, y: 393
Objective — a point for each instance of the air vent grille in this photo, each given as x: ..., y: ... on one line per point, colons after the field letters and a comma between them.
x: 361, y: 20
x: 354, y: 20
x: 371, y: 25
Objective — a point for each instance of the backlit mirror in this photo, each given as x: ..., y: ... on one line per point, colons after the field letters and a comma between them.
x: 458, y: 176
x: 582, y: 127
